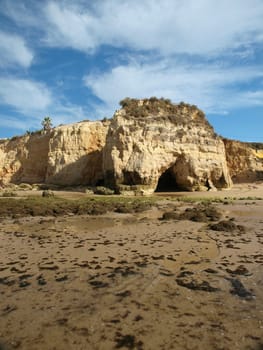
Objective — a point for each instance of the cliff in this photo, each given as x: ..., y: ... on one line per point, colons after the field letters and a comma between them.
x: 244, y: 160
x: 148, y: 145
x: 67, y: 155
x: 153, y: 144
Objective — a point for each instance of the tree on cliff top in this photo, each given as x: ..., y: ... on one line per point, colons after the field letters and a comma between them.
x: 46, y: 123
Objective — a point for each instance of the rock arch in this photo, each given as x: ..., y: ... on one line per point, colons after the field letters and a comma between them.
x: 167, y: 181
x: 178, y: 176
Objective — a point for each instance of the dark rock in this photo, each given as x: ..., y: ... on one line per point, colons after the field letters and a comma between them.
x: 24, y: 284
x: 127, y: 341
x: 99, y: 284
x: 61, y: 278
x: 239, y: 289
x: 201, y: 213
x: 226, y: 225
x: 6, y: 281
x: 185, y: 273
x: 170, y: 215
x: 47, y: 193
x: 209, y: 270
x: 240, y: 270
x: 203, y: 286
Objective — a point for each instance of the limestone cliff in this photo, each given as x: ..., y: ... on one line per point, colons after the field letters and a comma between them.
x: 244, y: 160
x: 148, y: 145
x: 75, y: 154
x: 24, y: 159
x: 153, y: 144
x: 67, y: 155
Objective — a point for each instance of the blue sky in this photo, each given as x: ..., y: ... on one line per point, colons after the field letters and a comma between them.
x: 75, y: 60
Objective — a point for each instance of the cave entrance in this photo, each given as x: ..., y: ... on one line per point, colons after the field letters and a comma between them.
x: 167, y: 182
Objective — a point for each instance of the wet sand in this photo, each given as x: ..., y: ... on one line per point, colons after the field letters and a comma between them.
x: 133, y: 281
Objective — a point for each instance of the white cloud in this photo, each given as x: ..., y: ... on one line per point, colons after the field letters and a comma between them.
x: 69, y: 28
x: 7, y: 121
x: 169, y: 26
x: 245, y: 99
x: 211, y: 87
x: 159, y: 36
x: 25, y: 96
x: 14, y: 51
x: 203, y: 27
x: 23, y: 13
x: 31, y: 101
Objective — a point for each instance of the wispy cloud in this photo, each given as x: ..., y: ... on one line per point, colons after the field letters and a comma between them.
x: 203, y: 52
x: 191, y: 27
x: 14, y: 51
x: 13, y: 123
x: 211, y: 87
x: 204, y: 27
x: 23, y: 95
x: 31, y: 101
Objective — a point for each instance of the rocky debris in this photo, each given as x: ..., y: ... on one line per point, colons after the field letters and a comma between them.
x: 188, y: 280
x: 228, y: 226
x: 103, y: 191
x: 199, y: 213
x: 239, y: 289
x: 48, y: 193
x: 98, y: 284
x: 127, y: 341
x: 170, y: 215
x: 41, y: 280
x: 240, y: 270
x: 194, y: 285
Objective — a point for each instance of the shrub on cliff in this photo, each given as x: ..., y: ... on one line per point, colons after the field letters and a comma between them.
x: 163, y: 108
x: 47, y: 124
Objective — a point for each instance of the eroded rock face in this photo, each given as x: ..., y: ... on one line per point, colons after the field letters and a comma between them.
x: 147, y: 139
x: 148, y: 145
x: 75, y: 154
x: 68, y: 155
x: 245, y: 161
x: 24, y: 159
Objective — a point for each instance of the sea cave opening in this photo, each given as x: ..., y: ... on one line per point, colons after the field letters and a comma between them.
x: 167, y: 182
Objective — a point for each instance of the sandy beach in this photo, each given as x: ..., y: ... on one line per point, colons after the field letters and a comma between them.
x: 147, y: 280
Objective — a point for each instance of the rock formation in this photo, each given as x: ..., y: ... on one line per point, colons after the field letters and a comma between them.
x: 75, y: 154
x: 244, y: 160
x: 148, y: 145
x: 67, y: 155
x: 153, y: 144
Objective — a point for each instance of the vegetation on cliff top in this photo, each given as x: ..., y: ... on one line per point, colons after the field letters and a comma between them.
x: 182, y: 113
